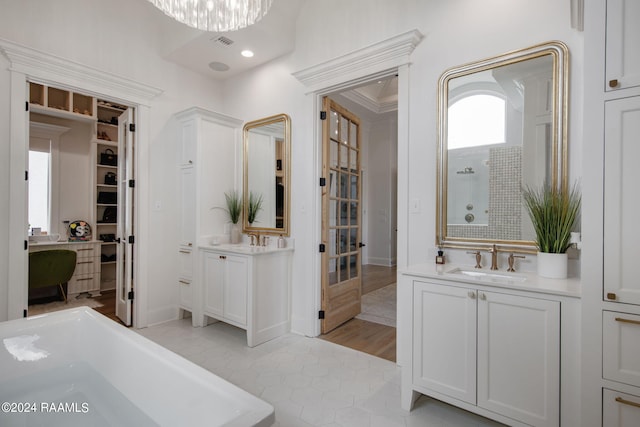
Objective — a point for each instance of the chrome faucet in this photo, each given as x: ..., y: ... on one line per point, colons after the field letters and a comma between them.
x: 494, y: 257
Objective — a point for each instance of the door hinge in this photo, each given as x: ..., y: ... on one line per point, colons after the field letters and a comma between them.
x: 323, y: 182
x: 132, y: 127
x: 130, y: 295
x: 26, y: 108
x: 26, y: 175
x: 323, y: 115
x: 322, y: 248
x: 26, y: 245
x: 132, y: 239
x: 24, y: 313
x: 321, y: 314
x: 132, y: 183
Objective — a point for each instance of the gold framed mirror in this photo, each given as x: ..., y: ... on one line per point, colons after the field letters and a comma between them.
x: 502, y: 126
x: 267, y: 175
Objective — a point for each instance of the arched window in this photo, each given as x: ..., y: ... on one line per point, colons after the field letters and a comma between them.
x: 477, y: 119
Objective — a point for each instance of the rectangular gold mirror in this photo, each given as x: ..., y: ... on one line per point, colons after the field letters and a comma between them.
x: 501, y: 127
x: 267, y: 172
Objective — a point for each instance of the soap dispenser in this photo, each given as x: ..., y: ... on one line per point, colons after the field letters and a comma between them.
x: 281, y: 242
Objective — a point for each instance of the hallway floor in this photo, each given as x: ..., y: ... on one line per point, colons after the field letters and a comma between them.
x: 310, y: 382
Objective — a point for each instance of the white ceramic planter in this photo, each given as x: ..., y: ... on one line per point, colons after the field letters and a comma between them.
x: 236, y: 234
x: 552, y: 266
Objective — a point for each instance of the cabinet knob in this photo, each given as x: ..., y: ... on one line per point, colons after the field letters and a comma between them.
x: 613, y: 83
x: 611, y: 295
x: 223, y: 257
x: 483, y: 297
x: 190, y: 162
x: 472, y: 295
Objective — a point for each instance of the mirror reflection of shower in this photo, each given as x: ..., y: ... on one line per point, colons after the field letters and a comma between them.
x: 468, y: 186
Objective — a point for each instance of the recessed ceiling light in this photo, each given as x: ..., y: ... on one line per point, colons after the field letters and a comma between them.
x: 246, y: 53
x: 218, y: 66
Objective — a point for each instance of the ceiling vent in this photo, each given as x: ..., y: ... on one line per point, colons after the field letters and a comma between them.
x: 223, y: 41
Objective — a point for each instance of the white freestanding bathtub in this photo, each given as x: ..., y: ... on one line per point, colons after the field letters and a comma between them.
x: 77, y: 368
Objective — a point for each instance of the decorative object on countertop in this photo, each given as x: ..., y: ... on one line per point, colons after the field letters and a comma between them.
x: 255, y: 204
x: 553, y: 213
x: 440, y: 256
x: 234, y: 208
x: 79, y: 231
x: 281, y: 242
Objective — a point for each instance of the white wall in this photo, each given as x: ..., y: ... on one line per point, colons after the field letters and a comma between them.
x: 116, y: 37
x: 456, y: 32
x: 381, y: 182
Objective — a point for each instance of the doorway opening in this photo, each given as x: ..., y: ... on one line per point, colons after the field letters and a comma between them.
x: 373, y: 328
x: 80, y: 200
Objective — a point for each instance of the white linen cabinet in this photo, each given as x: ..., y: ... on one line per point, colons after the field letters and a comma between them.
x: 620, y: 292
x: 207, y: 155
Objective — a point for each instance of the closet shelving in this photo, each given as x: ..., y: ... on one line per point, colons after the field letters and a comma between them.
x: 105, y: 141
x: 62, y: 103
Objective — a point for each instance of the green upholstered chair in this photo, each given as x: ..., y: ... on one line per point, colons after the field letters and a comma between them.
x: 51, y: 268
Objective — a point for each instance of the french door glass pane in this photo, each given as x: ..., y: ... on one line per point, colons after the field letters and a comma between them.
x: 344, y: 240
x: 333, y: 154
x: 353, y: 266
x: 353, y: 135
x: 353, y: 160
x: 344, y: 186
x: 344, y: 268
x: 354, y: 186
x: 344, y: 130
x: 354, y: 213
x: 344, y: 157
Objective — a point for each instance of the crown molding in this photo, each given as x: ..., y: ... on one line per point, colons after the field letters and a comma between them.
x: 211, y: 116
x: 371, y: 104
x: 378, y: 59
x: 45, y: 68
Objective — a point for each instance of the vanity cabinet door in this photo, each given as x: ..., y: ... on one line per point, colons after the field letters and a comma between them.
x: 519, y: 357
x: 213, y: 277
x: 623, y: 37
x: 235, y: 289
x: 187, y: 206
x: 444, y: 326
x: 621, y: 205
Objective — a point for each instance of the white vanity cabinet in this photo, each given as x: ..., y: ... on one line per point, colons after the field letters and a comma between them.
x: 248, y: 287
x: 498, y: 351
x: 492, y: 349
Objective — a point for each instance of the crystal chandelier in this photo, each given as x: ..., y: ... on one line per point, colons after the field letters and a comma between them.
x: 215, y: 15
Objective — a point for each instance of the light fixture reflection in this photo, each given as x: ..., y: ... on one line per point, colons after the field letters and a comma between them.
x: 215, y: 15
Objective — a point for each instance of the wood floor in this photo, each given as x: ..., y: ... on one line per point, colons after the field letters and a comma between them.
x: 368, y: 337
x: 108, y: 301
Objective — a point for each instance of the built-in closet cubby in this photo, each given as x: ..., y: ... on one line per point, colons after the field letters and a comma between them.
x: 105, y: 166
x: 620, y: 305
x: 59, y: 102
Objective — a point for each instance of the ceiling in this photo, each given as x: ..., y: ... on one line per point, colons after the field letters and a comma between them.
x: 270, y: 38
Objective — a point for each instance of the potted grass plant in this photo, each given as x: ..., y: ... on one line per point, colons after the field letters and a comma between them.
x: 255, y: 204
x: 553, y: 213
x: 234, y: 208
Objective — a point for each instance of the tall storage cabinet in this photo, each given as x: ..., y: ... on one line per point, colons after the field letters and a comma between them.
x: 208, y: 152
x: 611, y: 314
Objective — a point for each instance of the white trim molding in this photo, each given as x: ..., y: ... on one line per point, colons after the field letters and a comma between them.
x: 368, y: 62
x: 43, y: 67
x: 577, y: 14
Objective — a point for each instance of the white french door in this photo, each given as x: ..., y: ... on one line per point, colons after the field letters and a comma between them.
x: 125, y: 231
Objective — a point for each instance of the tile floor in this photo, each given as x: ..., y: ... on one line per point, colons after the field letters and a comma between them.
x: 310, y: 382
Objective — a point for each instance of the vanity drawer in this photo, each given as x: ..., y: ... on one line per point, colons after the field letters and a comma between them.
x: 621, y: 347
x: 185, y: 262
x: 620, y: 409
x: 85, y: 250
x: 185, y: 293
x: 83, y: 283
x: 87, y: 266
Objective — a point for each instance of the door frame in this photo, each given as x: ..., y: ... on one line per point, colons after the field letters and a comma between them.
x: 29, y: 65
x: 402, y: 71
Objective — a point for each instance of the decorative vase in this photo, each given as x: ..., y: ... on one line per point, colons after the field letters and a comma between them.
x: 552, y: 266
x: 236, y: 234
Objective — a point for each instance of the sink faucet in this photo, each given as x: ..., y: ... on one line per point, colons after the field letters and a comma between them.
x: 478, y: 258
x: 494, y: 257
x: 511, y: 261
x: 254, y: 237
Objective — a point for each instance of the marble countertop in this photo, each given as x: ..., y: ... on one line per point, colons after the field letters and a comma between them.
x: 244, y: 249
x: 524, y: 281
